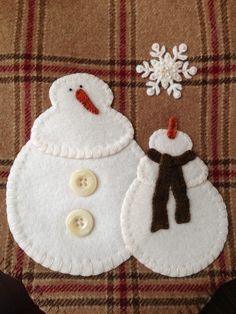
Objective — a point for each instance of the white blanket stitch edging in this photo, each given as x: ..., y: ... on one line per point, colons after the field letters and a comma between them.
x: 87, y: 267
x: 167, y: 269
x: 72, y: 152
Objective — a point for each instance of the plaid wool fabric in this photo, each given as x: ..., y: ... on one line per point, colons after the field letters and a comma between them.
x: 41, y: 40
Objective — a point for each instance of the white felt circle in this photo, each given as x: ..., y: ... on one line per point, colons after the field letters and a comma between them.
x: 183, y: 249
x: 67, y: 129
x: 174, y: 147
x: 39, y: 199
x: 62, y: 91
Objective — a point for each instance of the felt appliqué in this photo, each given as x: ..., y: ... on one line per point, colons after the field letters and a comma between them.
x: 184, y: 248
x: 66, y: 138
x: 170, y: 176
x: 165, y: 71
x: 85, y: 101
x: 108, y: 135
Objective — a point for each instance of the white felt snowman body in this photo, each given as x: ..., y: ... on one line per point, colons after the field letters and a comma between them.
x: 66, y: 187
x: 179, y: 249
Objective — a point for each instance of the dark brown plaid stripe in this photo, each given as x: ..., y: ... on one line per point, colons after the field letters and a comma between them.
x: 112, y: 42
x: 49, y: 79
x: 226, y: 124
x: 129, y: 275
x: 204, y: 58
x: 116, y: 302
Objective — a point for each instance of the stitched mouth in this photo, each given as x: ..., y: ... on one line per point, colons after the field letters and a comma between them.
x: 84, y: 99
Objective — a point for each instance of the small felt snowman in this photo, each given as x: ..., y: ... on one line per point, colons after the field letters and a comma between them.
x: 67, y: 185
x: 173, y: 220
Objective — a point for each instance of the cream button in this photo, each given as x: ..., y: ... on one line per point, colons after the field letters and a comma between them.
x: 79, y: 222
x: 83, y: 182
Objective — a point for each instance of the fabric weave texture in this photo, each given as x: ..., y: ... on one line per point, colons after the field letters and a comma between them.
x: 41, y: 40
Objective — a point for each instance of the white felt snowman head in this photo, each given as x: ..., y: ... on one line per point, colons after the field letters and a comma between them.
x: 172, y: 146
x: 81, y: 122
x: 70, y: 89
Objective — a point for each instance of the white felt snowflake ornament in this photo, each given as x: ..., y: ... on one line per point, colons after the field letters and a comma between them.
x: 165, y: 71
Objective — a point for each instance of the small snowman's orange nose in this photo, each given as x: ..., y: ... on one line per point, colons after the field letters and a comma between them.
x: 172, y: 128
x: 86, y: 101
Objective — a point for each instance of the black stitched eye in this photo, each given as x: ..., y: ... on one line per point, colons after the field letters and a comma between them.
x: 70, y: 89
x: 81, y: 86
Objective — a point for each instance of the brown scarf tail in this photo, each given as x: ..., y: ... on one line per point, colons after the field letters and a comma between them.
x: 170, y: 176
x: 159, y: 211
x: 161, y: 196
x: 179, y: 189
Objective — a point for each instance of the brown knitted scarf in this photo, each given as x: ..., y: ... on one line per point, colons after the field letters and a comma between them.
x: 170, y: 176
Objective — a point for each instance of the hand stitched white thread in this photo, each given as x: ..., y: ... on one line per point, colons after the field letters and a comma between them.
x: 182, y: 249
x: 66, y: 229
x: 165, y: 71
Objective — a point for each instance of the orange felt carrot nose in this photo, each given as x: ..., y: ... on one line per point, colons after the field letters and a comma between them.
x: 172, y: 128
x: 86, y: 101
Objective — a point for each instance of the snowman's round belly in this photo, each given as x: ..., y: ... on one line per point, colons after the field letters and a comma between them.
x: 182, y: 249
x: 40, y: 199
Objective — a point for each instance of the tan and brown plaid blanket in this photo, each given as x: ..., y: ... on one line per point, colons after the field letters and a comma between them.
x: 41, y: 40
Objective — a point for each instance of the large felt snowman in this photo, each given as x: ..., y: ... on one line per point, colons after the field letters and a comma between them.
x: 173, y: 220
x: 66, y: 187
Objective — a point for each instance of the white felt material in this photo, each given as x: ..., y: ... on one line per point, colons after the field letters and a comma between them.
x: 183, y: 249
x: 76, y: 132
x: 160, y: 141
x: 39, y: 198
x: 195, y: 171
x: 165, y: 70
